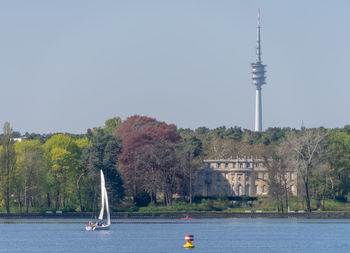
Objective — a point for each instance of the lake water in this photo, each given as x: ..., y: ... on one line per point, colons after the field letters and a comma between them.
x: 167, y: 235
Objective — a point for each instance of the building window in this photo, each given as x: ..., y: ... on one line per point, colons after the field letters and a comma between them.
x: 265, y: 176
x: 256, y: 189
x: 239, y: 190
x: 247, y: 189
x: 239, y: 178
x: 218, y: 176
x: 208, y: 178
x: 264, y: 189
x: 218, y: 188
x: 292, y: 188
x: 226, y: 175
x: 291, y: 176
x: 226, y: 165
x: 208, y: 189
x: 218, y: 165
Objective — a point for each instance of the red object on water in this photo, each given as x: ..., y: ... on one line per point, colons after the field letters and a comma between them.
x: 189, y: 238
x: 187, y: 218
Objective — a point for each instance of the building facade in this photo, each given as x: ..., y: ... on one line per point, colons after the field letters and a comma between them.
x: 236, y: 177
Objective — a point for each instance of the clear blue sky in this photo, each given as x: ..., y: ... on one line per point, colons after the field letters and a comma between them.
x: 66, y: 66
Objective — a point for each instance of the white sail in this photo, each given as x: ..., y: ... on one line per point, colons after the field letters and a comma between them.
x: 107, y: 208
x: 100, y: 217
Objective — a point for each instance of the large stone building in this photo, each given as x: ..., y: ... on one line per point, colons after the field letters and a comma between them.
x: 236, y: 177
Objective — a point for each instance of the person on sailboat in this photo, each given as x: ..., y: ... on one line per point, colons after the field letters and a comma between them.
x: 100, y: 223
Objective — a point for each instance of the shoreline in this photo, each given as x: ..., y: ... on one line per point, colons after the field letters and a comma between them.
x: 178, y: 215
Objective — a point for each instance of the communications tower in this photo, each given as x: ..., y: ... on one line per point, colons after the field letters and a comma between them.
x: 258, y: 79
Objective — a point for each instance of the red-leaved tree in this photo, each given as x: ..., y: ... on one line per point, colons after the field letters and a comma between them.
x: 148, y: 156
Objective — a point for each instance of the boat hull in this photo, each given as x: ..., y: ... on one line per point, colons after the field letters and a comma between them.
x: 93, y: 228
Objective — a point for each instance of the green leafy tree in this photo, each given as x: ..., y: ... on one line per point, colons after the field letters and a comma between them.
x: 339, y: 161
x: 29, y: 179
x: 251, y: 137
x: 234, y: 133
x: 273, y: 134
x: 103, y: 155
x: 62, y: 156
x: 112, y: 125
x: 195, y: 145
x: 7, y: 164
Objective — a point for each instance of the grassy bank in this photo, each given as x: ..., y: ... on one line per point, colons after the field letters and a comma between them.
x: 229, y: 206
x: 219, y: 205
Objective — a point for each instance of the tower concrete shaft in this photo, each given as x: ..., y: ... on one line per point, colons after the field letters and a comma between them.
x: 258, y: 79
x: 258, y: 110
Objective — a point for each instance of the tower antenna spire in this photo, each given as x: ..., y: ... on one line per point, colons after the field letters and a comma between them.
x: 258, y: 46
x: 258, y: 78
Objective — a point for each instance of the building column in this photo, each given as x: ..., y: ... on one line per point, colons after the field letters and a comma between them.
x: 236, y: 185
x: 252, y: 184
x: 243, y: 183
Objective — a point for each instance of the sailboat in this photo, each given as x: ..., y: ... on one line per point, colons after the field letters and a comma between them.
x: 100, y: 225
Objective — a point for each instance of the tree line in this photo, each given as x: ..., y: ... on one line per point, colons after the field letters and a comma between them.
x: 145, y: 160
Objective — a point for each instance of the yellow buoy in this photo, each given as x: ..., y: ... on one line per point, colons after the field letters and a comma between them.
x: 189, y: 240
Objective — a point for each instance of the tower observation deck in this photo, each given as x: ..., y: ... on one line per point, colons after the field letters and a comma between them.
x: 258, y: 79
